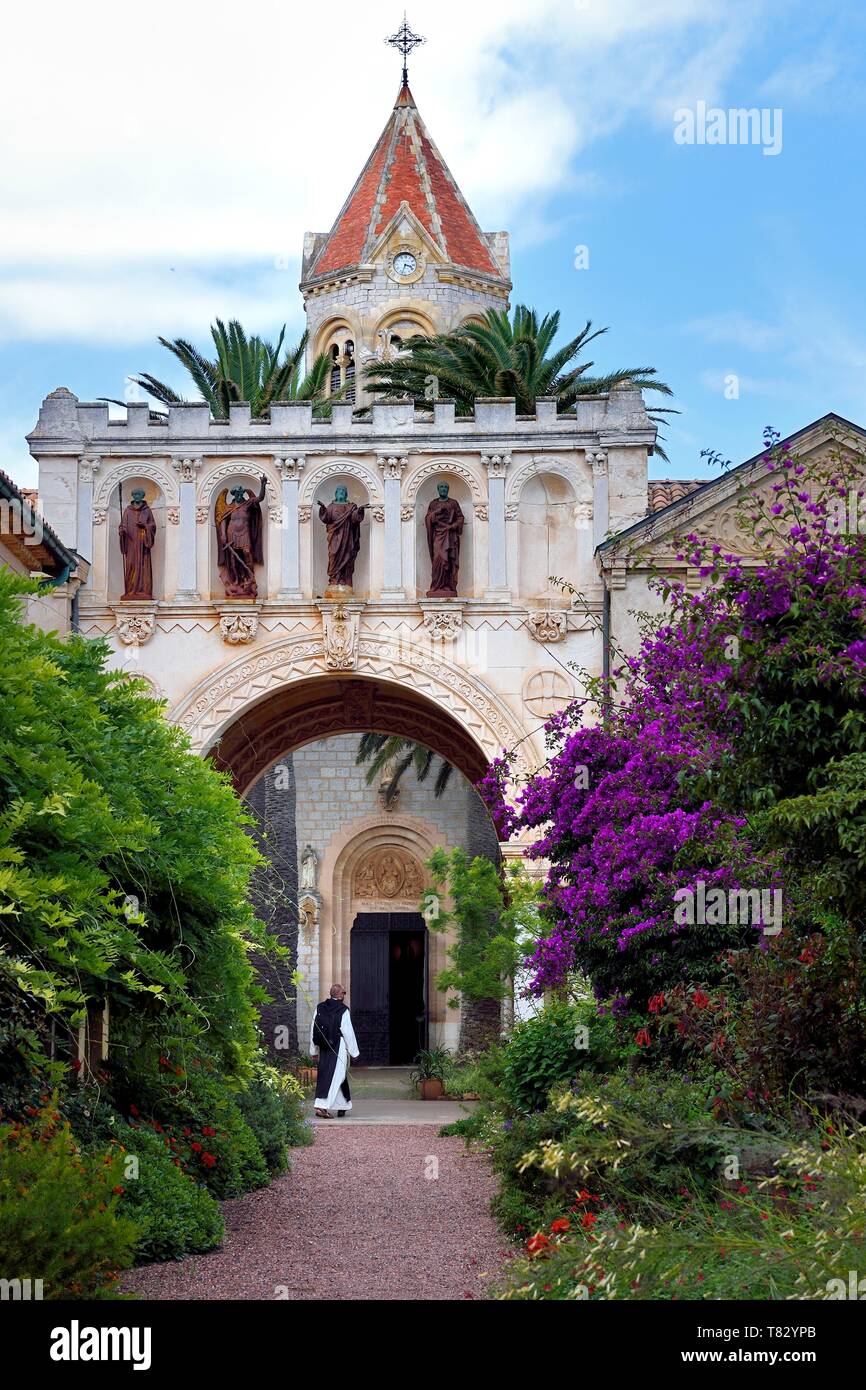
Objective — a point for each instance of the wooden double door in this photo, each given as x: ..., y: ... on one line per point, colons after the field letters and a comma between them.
x: 388, y: 987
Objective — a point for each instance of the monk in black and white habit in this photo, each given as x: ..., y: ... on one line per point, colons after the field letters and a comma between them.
x: 333, y: 1037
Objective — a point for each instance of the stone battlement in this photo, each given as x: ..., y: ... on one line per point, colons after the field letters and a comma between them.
x: 64, y: 420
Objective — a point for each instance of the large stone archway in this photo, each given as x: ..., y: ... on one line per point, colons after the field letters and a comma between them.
x: 248, y: 714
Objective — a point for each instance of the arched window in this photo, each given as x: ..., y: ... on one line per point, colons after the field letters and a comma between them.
x: 341, y: 351
x: 349, y: 370
x: 336, y: 381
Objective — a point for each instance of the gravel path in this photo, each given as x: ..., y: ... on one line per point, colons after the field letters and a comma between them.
x: 358, y: 1217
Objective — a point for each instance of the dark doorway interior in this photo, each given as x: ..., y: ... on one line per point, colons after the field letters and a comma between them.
x: 389, y: 987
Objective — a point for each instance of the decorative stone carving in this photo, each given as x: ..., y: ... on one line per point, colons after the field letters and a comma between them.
x: 482, y: 513
x: 304, y: 514
x: 582, y: 513
x: 511, y: 512
x: 548, y: 625
x: 378, y: 513
x: 135, y: 622
x: 496, y: 464
x: 392, y: 467
x: 443, y: 624
x: 201, y: 515
x: 358, y: 703
x: 389, y: 873
x: 172, y: 516
x: 439, y: 468
x: 309, y: 867
x: 308, y: 918
x: 598, y: 459
x: 186, y: 469
x: 341, y: 635
x: 547, y: 692
x: 99, y: 515
x: 238, y: 623
x: 407, y: 513
x: 88, y: 469
x: 290, y: 469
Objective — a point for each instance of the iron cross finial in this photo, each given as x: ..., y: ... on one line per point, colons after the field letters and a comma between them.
x: 404, y: 41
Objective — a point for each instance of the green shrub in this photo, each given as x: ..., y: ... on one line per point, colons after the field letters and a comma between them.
x: 176, y: 1215
x: 541, y: 1052
x: 199, y: 1119
x: 59, y: 1216
x: 272, y: 1104
x: 795, y: 1237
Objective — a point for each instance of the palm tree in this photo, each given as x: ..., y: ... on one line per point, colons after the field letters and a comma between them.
x: 244, y: 369
x: 504, y: 356
x: 396, y: 755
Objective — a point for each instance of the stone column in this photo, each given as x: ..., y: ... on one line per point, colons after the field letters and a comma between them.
x: 87, y: 469
x: 497, y: 467
x: 290, y: 470
x: 392, y: 580
x: 186, y: 469
x: 600, y: 495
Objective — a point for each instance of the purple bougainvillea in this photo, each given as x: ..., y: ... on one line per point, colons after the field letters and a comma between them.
x: 704, y: 737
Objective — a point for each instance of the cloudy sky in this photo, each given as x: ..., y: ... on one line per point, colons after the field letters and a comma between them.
x: 161, y: 165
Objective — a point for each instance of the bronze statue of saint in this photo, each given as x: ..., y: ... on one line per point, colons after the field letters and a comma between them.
x: 444, y: 524
x: 137, y: 531
x: 342, y: 520
x: 239, y: 540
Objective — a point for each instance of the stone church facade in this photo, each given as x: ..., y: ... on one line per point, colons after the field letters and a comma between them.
x: 292, y: 677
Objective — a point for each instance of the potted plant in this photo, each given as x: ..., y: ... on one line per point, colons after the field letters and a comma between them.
x: 431, y: 1068
x: 306, y: 1072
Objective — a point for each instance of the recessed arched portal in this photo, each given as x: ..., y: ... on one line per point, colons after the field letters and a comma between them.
x: 249, y: 715
x: 313, y: 709
x: 249, y: 712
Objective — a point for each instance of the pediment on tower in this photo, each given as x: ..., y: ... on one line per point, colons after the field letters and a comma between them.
x: 406, y: 234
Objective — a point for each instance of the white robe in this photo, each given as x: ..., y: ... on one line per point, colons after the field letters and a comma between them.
x: 335, y: 1100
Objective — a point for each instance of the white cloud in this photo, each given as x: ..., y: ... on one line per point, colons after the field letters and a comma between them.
x: 736, y: 328
x: 200, y: 136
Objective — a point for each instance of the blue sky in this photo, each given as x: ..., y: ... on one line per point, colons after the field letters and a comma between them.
x: 159, y: 175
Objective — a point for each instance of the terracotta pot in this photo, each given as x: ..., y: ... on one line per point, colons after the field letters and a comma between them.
x: 432, y: 1088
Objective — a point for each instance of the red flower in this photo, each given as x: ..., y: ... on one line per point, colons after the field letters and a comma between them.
x: 208, y: 1160
x: 588, y: 1220
x: 537, y: 1244
x: 133, y: 1109
x: 76, y: 1065
x: 699, y: 999
x: 208, y: 1131
x: 642, y: 1037
x: 118, y: 1191
x: 562, y: 1223
x: 656, y: 1003
x: 196, y: 1148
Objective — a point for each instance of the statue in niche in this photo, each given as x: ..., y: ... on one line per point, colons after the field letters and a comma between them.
x: 239, y: 540
x: 342, y: 520
x: 444, y: 525
x: 137, y: 531
x: 309, y: 867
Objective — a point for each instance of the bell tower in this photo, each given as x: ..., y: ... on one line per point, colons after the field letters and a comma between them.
x: 405, y: 254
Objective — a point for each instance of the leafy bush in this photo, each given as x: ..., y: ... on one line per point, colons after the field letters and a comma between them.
x: 199, y: 1119
x: 797, y: 1236
x: 543, y: 1051
x: 176, y: 1215
x: 59, y: 1210
x: 272, y: 1104
x: 131, y: 888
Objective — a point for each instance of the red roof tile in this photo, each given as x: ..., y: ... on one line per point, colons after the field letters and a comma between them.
x: 405, y: 166
x: 661, y: 492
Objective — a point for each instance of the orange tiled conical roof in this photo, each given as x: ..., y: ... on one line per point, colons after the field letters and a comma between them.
x: 405, y: 166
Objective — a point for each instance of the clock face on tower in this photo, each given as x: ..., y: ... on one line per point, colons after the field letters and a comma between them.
x: 405, y: 263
